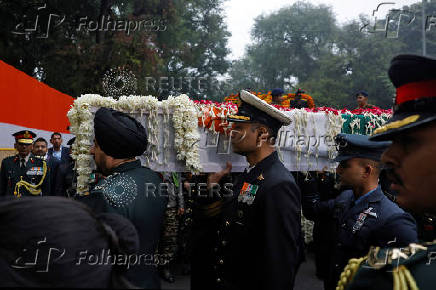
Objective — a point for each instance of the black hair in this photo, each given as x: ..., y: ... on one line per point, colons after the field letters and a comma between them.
x: 56, y: 133
x: 40, y: 139
x: 272, y: 134
x: 67, y: 229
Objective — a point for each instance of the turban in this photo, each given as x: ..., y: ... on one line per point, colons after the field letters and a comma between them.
x: 118, y: 134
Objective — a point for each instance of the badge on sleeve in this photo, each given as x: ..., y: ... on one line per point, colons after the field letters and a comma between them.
x: 248, y: 193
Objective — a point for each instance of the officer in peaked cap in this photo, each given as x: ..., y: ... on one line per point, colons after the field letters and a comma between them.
x: 260, y: 241
x: 364, y: 216
x: 410, y: 160
x: 22, y: 174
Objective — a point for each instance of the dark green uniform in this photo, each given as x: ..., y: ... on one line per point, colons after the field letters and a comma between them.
x: 32, y: 174
x: 396, y: 268
x: 133, y: 192
x: 367, y: 106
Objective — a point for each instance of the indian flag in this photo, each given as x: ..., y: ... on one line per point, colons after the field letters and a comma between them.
x: 27, y: 103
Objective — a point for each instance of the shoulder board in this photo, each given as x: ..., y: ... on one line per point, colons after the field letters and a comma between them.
x: 381, y: 257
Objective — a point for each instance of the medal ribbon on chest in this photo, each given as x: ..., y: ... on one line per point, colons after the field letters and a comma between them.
x: 361, y: 219
x: 247, y: 193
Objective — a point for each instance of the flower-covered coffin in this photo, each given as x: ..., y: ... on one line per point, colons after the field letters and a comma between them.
x: 193, y: 136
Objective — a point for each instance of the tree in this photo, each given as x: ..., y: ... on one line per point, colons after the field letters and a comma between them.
x: 179, y: 39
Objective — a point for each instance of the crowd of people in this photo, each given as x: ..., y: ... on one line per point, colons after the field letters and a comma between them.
x: 236, y: 231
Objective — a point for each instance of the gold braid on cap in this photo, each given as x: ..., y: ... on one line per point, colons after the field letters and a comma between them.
x: 239, y: 117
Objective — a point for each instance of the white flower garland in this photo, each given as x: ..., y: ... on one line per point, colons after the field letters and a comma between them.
x: 334, y: 127
x: 355, y: 125
x: 185, y: 123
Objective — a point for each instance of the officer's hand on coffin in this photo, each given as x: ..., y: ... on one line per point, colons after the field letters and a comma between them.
x: 214, y: 178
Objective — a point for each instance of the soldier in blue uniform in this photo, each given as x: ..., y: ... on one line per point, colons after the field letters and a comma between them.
x: 260, y: 244
x: 410, y: 162
x: 23, y: 174
x: 128, y: 188
x: 364, y: 215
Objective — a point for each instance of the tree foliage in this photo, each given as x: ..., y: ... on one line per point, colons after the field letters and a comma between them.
x: 183, y: 39
x: 302, y: 46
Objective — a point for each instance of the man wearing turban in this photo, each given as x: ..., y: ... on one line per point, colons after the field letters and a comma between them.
x: 128, y: 188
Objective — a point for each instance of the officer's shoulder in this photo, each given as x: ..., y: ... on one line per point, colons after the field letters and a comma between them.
x: 278, y: 174
x: 390, y: 207
x: 9, y: 159
x: 148, y: 173
x: 382, y: 266
x: 345, y: 195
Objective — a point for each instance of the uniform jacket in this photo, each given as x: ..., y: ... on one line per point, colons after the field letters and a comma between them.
x: 133, y: 192
x: 374, y: 221
x: 260, y: 245
x: 11, y: 173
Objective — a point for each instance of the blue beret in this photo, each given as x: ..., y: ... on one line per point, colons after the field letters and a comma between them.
x: 277, y: 92
x: 363, y: 93
x: 358, y: 146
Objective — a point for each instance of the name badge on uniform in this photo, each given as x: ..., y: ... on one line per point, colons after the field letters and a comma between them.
x: 35, y: 171
x: 248, y: 193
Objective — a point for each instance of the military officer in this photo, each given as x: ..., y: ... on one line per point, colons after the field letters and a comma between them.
x: 362, y: 101
x: 364, y: 215
x: 411, y: 166
x: 23, y: 174
x: 128, y: 188
x: 277, y: 96
x: 260, y: 241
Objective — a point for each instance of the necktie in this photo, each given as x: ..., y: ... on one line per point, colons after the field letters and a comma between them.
x: 23, y: 163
